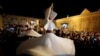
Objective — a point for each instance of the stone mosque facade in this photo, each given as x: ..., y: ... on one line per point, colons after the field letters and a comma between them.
x: 86, y: 21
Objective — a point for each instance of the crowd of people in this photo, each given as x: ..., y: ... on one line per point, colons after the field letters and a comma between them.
x: 86, y: 43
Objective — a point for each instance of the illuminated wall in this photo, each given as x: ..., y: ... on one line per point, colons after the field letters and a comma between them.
x: 1, y: 22
x: 86, y: 21
x: 60, y: 21
x: 15, y: 19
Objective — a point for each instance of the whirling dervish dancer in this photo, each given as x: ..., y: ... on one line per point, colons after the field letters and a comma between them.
x: 49, y: 44
x: 30, y: 31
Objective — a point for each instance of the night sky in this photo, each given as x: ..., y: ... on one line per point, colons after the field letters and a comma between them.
x: 36, y: 8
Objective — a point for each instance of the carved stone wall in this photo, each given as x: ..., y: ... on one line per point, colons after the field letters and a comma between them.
x: 88, y: 22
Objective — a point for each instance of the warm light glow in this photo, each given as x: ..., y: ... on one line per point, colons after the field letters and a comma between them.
x: 86, y: 21
x: 1, y: 22
x: 37, y: 21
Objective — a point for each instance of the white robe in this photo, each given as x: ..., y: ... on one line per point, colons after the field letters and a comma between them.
x: 47, y: 45
x: 31, y: 32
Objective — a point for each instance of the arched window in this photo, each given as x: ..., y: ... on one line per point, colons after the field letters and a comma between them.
x: 64, y: 25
